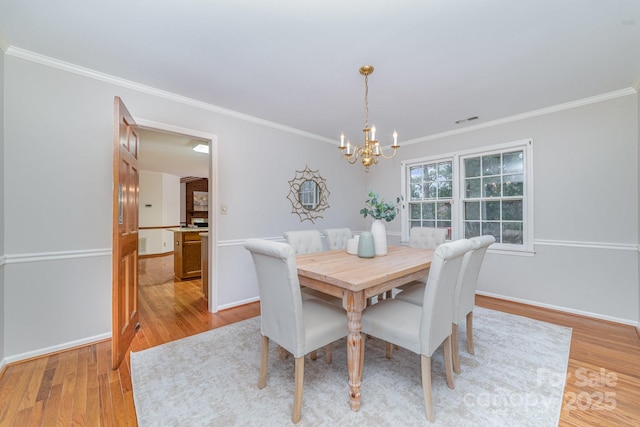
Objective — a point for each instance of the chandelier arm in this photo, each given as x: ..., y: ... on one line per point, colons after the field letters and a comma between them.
x: 395, y: 151
x: 355, y: 156
x: 351, y: 159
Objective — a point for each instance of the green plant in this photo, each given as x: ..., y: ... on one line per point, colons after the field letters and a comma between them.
x: 379, y: 209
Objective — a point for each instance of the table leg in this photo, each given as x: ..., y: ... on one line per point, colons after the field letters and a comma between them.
x: 354, y: 304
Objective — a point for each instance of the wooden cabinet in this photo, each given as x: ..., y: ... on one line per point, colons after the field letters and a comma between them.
x: 186, y: 254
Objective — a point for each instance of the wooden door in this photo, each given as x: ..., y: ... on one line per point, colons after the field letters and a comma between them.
x: 125, y: 232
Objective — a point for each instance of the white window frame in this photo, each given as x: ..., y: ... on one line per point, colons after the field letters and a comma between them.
x: 457, y: 214
x: 406, y: 179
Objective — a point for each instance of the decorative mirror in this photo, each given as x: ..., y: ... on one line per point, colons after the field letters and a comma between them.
x: 308, y: 194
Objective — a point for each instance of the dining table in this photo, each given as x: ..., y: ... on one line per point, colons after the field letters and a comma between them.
x: 355, y: 280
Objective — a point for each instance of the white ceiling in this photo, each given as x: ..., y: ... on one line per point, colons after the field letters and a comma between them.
x: 296, y: 62
x: 173, y: 154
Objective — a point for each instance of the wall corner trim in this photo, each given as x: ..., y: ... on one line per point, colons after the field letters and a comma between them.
x: 4, y: 44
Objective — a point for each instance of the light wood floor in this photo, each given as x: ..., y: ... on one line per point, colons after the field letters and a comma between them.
x: 77, y: 387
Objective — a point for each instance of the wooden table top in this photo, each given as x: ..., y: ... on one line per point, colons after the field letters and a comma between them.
x: 354, y: 273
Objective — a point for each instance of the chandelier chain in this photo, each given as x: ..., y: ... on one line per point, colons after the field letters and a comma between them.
x: 366, y: 101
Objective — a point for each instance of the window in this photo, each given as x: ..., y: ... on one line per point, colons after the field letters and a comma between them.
x: 474, y: 193
x: 431, y: 194
x: 493, y: 197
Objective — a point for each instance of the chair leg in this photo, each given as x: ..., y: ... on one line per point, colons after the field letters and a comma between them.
x: 313, y: 355
x: 470, y: 333
x: 328, y: 353
x: 454, y: 348
x: 282, y: 353
x: 264, y: 360
x: 425, y: 363
x: 389, y: 347
x: 448, y: 362
x: 297, y: 394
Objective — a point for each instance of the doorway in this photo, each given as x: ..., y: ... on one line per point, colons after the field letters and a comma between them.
x: 168, y: 150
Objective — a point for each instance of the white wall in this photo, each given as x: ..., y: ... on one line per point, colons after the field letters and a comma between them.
x: 586, y: 208
x: 58, y: 147
x: 162, y: 192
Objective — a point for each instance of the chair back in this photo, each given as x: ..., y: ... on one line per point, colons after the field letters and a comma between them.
x: 304, y: 241
x: 426, y: 237
x: 464, y: 299
x: 337, y: 237
x: 437, y: 306
x: 280, y: 299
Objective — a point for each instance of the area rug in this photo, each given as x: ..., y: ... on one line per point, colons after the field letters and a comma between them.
x: 515, y: 378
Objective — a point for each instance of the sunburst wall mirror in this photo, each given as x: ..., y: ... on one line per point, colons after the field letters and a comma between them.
x: 308, y: 195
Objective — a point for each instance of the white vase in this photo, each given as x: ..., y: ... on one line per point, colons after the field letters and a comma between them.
x: 379, y: 231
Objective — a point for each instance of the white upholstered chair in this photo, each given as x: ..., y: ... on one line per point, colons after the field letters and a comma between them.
x: 423, y: 238
x: 308, y: 242
x: 422, y: 329
x: 304, y: 241
x: 299, y: 326
x: 427, y: 237
x: 465, y: 297
x: 465, y: 294
x: 337, y: 237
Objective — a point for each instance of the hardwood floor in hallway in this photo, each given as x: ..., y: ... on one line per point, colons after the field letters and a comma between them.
x: 77, y: 387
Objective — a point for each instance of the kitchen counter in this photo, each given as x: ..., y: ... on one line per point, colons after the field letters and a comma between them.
x: 187, y: 251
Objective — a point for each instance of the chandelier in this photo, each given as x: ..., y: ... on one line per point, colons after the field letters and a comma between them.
x: 370, y: 152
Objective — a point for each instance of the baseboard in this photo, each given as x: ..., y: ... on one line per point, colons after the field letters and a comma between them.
x: 3, y: 367
x: 160, y: 255
x: 564, y: 309
x: 238, y: 303
x: 55, y: 349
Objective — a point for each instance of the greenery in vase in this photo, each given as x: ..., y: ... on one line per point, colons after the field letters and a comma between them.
x: 379, y: 209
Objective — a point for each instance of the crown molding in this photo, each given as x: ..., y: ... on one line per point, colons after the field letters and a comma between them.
x: 76, y: 69
x: 97, y: 75
x: 535, y: 113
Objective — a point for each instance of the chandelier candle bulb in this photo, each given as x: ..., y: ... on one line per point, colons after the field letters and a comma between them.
x: 395, y: 139
x: 373, y: 133
x: 342, y: 140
